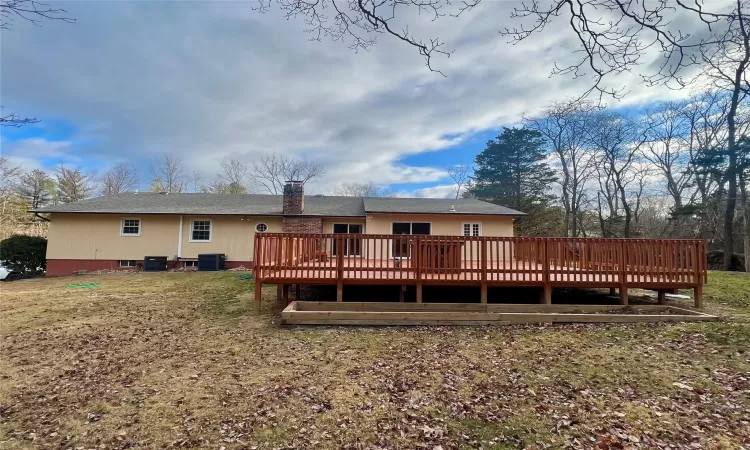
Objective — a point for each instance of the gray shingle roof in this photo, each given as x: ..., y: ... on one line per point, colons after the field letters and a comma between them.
x: 208, y: 204
x: 271, y: 205
x: 436, y: 206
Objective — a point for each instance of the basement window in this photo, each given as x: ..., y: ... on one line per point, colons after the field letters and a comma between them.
x: 193, y: 263
x: 200, y: 231
x: 128, y: 263
x: 130, y: 227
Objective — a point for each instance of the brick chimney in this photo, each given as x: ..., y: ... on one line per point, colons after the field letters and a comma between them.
x: 294, y: 197
x: 294, y: 205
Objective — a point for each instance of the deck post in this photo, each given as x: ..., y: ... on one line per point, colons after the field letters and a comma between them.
x: 418, y: 268
x: 419, y: 292
x: 698, y: 296
x: 483, y: 258
x: 279, y: 292
x: 258, y: 296
x: 546, y: 278
x: 401, y: 293
x: 698, y: 289
x: 285, y: 293
x: 339, y: 269
x: 613, y: 291
x: 297, y: 291
x: 661, y: 297
x: 623, y: 276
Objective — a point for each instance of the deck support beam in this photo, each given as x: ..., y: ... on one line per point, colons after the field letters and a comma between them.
x: 285, y: 293
x: 547, y: 294
x: 483, y: 293
x: 419, y: 292
x: 340, y: 291
x: 661, y: 297
x: 298, y: 292
x: 698, y: 296
x: 623, y: 295
x: 401, y: 293
x: 258, y: 296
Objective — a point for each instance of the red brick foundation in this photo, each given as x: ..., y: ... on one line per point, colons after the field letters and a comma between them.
x: 66, y: 267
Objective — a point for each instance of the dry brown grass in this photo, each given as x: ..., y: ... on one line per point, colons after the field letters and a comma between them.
x: 178, y: 360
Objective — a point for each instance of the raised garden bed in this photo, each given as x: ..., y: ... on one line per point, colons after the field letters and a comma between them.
x: 384, y: 313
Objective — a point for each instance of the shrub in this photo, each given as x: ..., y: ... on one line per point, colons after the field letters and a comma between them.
x: 24, y: 254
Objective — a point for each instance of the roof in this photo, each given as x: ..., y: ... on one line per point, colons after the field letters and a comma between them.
x: 270, y: 205
x: 436, y: 206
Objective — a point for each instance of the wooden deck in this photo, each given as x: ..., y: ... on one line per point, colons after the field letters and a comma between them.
x: 341, y: 259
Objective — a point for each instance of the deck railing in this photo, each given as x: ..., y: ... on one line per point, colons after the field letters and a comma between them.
x: 300, y: 258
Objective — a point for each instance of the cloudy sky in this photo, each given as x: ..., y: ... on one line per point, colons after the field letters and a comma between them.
x: 130, y: 81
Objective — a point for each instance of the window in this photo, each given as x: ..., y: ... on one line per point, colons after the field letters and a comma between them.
x: 190, y: 263
x: 128, y: 263
x: 472, y: 229
x: 352, y: 247
x: 401, y: 245
x: 261, y: 228
x: 201, y: 231
x: 130, y: 227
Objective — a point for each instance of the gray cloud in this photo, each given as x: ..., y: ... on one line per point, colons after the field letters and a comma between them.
x: 210, y: 81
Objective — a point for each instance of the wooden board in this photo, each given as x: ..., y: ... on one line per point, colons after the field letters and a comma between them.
x: 312, y: 313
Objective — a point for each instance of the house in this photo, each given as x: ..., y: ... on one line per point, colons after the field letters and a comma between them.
x: 117, y: 232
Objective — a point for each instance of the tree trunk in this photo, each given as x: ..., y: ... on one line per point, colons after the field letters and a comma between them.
x: 745, y: 219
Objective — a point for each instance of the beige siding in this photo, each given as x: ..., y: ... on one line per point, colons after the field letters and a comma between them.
x: 232, y: 235
x: 444, y: 225
x: 97, y: 236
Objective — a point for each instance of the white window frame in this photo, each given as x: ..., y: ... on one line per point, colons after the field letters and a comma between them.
x: 193, y: 263
x: 122, y: 227
x: 210, y: 230
x: 261, y: 223
x: 134, y: 265
x: 471, y: 228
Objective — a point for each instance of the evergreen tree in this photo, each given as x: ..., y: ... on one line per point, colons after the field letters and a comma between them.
x: 512, y: 171
x: 37, y: 187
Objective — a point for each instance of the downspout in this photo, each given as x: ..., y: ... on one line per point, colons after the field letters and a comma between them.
x: 179, y: 241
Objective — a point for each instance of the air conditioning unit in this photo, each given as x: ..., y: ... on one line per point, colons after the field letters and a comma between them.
x: 211, y: 261
x: 154, y: 263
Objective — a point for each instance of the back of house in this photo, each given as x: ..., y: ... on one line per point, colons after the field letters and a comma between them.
x: 120, y: 231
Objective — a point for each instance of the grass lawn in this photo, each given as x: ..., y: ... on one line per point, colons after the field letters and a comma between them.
x: 178, y: 360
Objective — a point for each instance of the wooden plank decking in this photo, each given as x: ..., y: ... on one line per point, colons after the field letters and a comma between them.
x: 290, y: 258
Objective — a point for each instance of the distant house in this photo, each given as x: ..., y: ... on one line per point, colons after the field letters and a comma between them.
x: 117, y: 232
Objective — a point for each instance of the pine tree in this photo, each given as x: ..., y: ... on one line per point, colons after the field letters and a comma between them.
x: 512, y: 171
x: 37, y: 187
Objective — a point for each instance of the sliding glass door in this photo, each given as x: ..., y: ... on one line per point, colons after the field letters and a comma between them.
x: 352, y: 246
x: 401, y: 244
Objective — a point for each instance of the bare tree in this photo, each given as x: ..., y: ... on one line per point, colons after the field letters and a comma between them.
x: 234, y: 172
x: 617, y: 140
x: 726, y: 64
x: 461, y: 176
x: 122, y: 177
x: 170, y: 172
x: 8, y: 176
x: 271, y: 171
x: 668, y: 149
x: 37, y: 187
x: 366, y: 189
x: 567, y: 128
x: 74, y: 185
x: 221, y: 187
x: 196, y: 178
